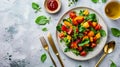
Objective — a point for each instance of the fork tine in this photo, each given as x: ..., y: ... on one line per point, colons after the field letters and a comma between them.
x: 43, y: 41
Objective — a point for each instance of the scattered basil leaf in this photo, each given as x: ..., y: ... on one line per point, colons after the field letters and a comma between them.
x: 71, y: 2
x: 104, y: 1
x: 76, y: 52
x: 92, y: 17
x: 35, y: 6
x: 86, y: 41
x: 44, y: 29
x: 42, y: 20
x: 81, y: 13
x: 102, y: 33
x: 113, y: 64
x: 94, y: 1
x: 59, y: 27
x: 43, y: 57
x: 66, y: 49
x: 80, y: 65
x: 115, y: 32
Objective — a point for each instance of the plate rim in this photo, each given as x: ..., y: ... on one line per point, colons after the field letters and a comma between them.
x: 67, y: 13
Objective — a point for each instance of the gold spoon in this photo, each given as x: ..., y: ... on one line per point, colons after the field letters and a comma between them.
x: 108, y: 48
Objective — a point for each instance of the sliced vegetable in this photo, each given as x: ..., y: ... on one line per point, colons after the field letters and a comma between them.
x: 86, y: 41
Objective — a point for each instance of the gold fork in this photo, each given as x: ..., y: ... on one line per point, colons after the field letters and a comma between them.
x: 46, y: 47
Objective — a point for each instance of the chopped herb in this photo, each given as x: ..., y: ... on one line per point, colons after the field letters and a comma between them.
x: 95, y: 1
x: 102, y: 33
x: 92, y: 17
x: 59, y: 27
x: 113, y: 64
x: 43, y: 57
x: 66, y: 49
x: 76, y: 52
x: 44, y: 29
x: 80, y: 65
x: 88, y: 49
x: 115, y: 32
x: 42, y: 20
x: 86, y: 41
x: 104, y: 1
x: 36, y: 7
x: 81, y: 13
x: 71, y: 2
x: 82, y: 28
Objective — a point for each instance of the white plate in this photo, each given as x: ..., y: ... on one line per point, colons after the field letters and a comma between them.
x: 97, y: 49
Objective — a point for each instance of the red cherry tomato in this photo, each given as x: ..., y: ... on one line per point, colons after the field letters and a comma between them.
x: 93, y: 45
x: 72, y: 14
x: 98, y: 27
x: 64, y: 28
x: 83, y: 53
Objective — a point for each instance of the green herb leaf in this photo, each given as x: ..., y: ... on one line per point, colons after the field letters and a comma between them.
x: 82, y: 29
x: 76, y: 52
x: 59, y: 27
x: 35, y: 6
x: 44, y: 29
x: 102, y: 33
x: 112, y: 64
x: 92, y: 17
x: 115, y: 32
x: 104, y: 1
x: 86, y: 41
x: 66, y: 49
x: 42, y: 20
x: 43, y: 57
x: 94, y: 1
x: 80, y: 65
x: 81, y: 13
x: 88, y: 49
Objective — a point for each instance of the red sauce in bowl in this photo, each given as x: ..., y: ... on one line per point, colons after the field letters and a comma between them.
x: 52, y: 5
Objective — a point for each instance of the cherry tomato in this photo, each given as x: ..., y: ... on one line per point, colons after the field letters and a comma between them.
x: 64, y: 28
x: 74, y: 45
x: 80, y: 48
x: 98, y: 27
x: 83, y: 53
x: 72, y: 14
x: 93, y: 45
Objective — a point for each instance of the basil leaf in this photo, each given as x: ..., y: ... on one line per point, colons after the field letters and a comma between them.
x: 76, y: 52
x: 112, y: 64
x: 59, y: 27
x: 82, y: 29
x: 41, y: 20
x: 66, y: 49
x: 81, y: 13
x: 44, y: 29
x: 94, y: 1
x: 86, y: 41
x: 92, y: 17
x: 43, y: 57
x: 104, y: 1
x: 35, y: 6
x: 115, y: 32
x: 102, y: 33
x: 80, y: 65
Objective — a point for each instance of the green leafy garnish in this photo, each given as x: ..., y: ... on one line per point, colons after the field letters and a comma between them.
x: 66, y: 49
x: 86, y: 41
x: 92, y: 29
x: 43, y: 57
x: 44, y: 29
x: 81, y: 13
x: 104, y: 1
x: 76, y: 52
x: 36, y: 7
x: 59, y: 27
x: 42, y: 20
x: 102, y: 33
x: 113, y: 64
x: 88, y: 49
x: 82, y: 28
x: 92, y: 17
x: 115, y: 32
x: 80, y: 66
x: 67, y: 42
x: 94, y: 1
x: 71, y: 2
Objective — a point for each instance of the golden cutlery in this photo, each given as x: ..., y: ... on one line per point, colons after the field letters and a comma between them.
x: 108, y: 48
x: 50, y: 39
x: 46, y: 47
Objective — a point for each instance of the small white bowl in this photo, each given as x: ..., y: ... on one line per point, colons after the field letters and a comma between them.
x: 50, y: 11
